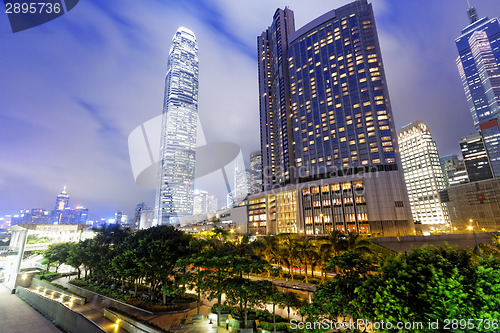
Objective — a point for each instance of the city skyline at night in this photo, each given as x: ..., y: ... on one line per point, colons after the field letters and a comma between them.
x: 94, y: 74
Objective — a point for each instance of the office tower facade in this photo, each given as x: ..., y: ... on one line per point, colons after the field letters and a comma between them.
x: 274, y: 101
x: 62, y: 204
x: 454, y: 171
x: 346, y: 166
x: 212, y: 203
x: 423, y: 174
x: 478, y: 65
x: 241, y: 183
x: 178, y: 138
x: 490, y: 131
x: 255, y: 172
x: 200, y: 202
x: 448, y: 162
x: 204, y: 202
x: 477, y: 162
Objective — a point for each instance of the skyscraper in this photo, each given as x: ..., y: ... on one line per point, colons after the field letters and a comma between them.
x: 178, y: 138
x: 477, y: 162
x: 490, y: 131
x: 255, y: 172
x: 423, y: 174
x: 478, y: 65
x: 326, y: 122
x: 241, y: 183
x: 62, y: 203
x: 200, y: 202
x: 454, y: 171
x: 342, y: 116
x: 276, y: 133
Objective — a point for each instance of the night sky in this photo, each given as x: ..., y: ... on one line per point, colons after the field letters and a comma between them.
x: 73, y: 89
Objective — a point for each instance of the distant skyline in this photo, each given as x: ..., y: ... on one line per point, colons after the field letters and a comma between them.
x: 73, y: 89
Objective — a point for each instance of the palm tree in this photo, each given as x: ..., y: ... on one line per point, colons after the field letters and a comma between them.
x: 267, y: 248
x: 305, y: 251
x: 335, y: 244
x: 355, y: 242
x: 286, y: 252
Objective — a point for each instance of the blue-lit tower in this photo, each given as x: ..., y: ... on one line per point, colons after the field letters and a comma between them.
x: 178, y: 138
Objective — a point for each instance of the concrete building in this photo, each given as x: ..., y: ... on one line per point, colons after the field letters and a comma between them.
x: 423, y: 175
x: 353, y: 202
x: 474, y: 206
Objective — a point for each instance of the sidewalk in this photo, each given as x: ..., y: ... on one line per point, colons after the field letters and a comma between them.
x: 19, y: 317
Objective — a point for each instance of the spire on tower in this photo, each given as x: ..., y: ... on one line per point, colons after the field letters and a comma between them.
x: 472, y: 13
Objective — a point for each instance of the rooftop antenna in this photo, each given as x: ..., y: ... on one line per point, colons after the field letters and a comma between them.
x: 472, y: 13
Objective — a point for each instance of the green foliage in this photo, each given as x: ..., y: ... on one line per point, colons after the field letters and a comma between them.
x: 56, y: 253
x: 34, y: 239
x: 430, y: 284
x: 283, y: 327
x: 46, y: 276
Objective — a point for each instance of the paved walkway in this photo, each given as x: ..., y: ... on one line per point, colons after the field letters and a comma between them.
x: 19, y: 317
x: 180, y: 322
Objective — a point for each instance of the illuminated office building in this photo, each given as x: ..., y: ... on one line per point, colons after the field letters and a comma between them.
x: 338, y: 127
x: 477, y: 162
x: 454, y: 171
x: 490, y: 131
x: 423, y: 174
x: 478, y: 65
x: 178, y: 138
x: 255, y: 172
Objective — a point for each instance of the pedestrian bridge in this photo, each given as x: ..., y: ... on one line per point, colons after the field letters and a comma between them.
x: 8, y: 251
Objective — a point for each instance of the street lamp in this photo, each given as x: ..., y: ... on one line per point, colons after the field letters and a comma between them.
x: 475, y: 238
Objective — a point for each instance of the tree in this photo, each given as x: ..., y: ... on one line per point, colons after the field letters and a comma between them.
x: 275, y: 297
x: 156, y: 255
x: 427, y: 284
x: 286, y: 252
x: 291, y: 300
x: 267, y: 247
x: 111, y: 235
x: 57, y: 254
x: 335, y: 298
x: 75, y: 257
x: 247, y: 293
x: 216, y: 268
x: 333, y: 246
x: 193, y: 273
x: 305, y: 251
x: 355, y: 242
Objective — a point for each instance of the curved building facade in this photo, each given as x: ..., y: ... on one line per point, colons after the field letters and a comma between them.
x: 325, y: 108
x: 178, y: 138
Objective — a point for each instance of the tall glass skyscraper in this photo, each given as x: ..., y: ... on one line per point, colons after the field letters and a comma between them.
x: 326, y: 123
x: 255, y: 172
x: 342, y: 116
x: 274, y: 101
x: 178, y: 138
x: 478, y: 65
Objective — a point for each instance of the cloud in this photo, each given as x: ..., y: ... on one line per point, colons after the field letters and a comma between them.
x: 73, y: 89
